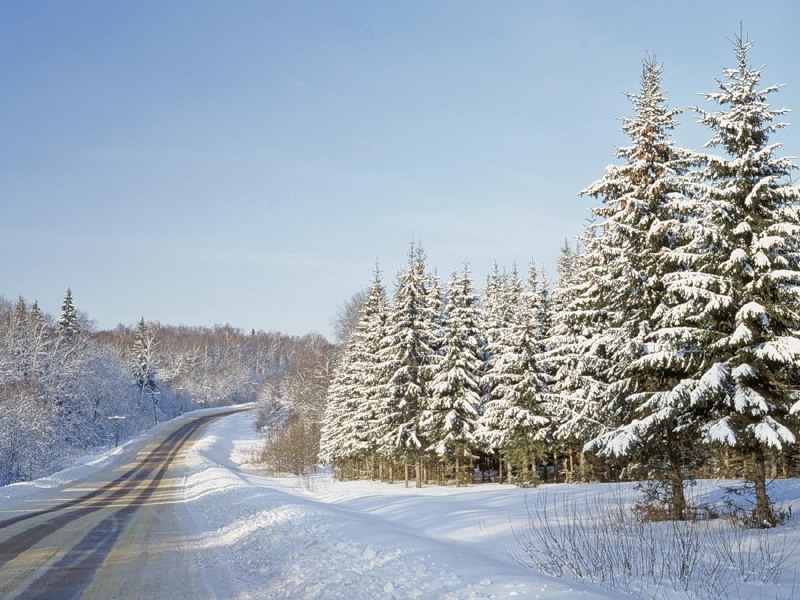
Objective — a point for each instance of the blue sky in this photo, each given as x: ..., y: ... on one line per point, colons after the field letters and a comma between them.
x: 247, y: 162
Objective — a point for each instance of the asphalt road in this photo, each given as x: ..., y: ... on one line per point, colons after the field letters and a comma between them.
x: 122, y: 534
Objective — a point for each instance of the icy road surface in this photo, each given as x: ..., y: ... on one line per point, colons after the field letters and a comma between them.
x: 119, y: 532
x: 173, y: 514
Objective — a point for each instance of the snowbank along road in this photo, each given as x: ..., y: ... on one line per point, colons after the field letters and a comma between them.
x: 110, y: 539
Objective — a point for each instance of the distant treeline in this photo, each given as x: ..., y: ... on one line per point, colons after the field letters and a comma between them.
x: 61, y: 380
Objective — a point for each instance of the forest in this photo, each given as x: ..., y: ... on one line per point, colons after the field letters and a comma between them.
x: 61, y: 380
x: 666, y: 351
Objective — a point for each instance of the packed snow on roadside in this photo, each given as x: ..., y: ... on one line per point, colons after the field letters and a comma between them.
x: 313, y: 537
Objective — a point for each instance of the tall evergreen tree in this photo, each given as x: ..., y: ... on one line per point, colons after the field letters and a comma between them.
x: 501, y: 301
x: 745, y: 273
x: 514, y: 420
x: 20, y: 310
x: 450, y: 417
x: 69, y: 324
x: 338, y: 438
x: 351, y: 428
x: 576, y: 348
x: 408, y: 358
x: 539, y: 304
x: 641, y: 213
x: 36, y: 316
x: 67, y: 371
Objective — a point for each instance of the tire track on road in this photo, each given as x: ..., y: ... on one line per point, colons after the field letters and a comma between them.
x: 125, y: 477
x: 15, y: 545
x: 74, y: 571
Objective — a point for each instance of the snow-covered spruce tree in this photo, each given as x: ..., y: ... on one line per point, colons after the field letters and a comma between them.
x: 540, y: 304
x: 500, y: 302
x: 434, y: 296
x: 746, y: 271
x: 514, y: 421
x: 36, y: 320
x: 536, y: 322
x: 638, y: 225
x: 69, y: 327
x: 495, y: 308
x: 143, y: 367
x: 350, y: 432
x: 449, y: 419
x: 576, y: 352
x: 337, y: 445
x: 374, y: 375
x: 338, y: 439
x: 407, y: 358
x: 66, y: 365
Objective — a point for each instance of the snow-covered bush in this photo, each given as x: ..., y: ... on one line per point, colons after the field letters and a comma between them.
x: 607, y: 543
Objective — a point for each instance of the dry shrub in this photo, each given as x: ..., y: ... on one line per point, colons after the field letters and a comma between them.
x: 292, y: 449
x: 608, y: 544
x: 655, y: 503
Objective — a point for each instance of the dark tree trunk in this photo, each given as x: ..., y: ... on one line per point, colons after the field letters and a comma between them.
x: 678, y: 504
x: 764, y: 517
x: 500, y: 466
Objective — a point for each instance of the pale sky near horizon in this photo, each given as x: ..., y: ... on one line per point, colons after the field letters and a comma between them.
x: 242, y: 162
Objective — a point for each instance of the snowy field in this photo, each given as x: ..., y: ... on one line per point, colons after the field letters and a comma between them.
x: 294, y: 537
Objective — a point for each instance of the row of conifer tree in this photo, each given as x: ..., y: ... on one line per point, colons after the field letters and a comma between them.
x: 668, y: 347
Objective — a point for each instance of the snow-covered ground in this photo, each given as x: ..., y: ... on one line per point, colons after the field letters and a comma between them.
x: 293, y: 537
x: 313, y: 537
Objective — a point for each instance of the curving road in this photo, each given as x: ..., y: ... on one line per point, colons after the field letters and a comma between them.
x: 118, y: 535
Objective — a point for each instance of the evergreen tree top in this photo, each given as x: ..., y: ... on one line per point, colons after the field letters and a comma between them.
x: 68, y: 323
x: 745, y: 127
